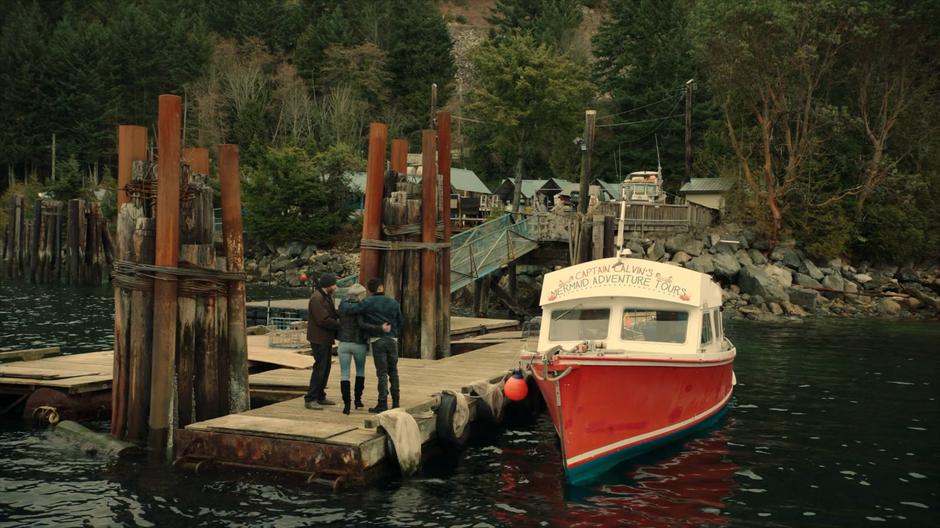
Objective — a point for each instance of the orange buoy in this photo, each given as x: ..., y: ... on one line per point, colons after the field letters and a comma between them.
x: 303, y: 276
x: 515, y: 387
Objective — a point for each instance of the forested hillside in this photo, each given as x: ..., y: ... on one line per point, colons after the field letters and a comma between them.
x: 824, y: 112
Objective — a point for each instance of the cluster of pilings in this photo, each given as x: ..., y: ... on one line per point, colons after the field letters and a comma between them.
x: 32, y: 247
x: 406, y: 232
x: 180, y: 352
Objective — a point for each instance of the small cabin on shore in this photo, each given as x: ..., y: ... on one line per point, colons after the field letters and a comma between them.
x: 707, y: 192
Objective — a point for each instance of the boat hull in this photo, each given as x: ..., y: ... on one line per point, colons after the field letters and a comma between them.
x: 607, y: 410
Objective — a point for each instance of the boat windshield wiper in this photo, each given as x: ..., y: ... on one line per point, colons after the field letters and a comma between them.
x: 566, y: 312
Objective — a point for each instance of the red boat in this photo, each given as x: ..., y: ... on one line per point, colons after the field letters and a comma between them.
x: 630, y: 354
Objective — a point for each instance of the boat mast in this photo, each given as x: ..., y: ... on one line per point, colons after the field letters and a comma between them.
x: 623, y: 213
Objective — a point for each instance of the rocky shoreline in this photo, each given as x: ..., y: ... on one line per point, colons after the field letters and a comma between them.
x: 757, y: 284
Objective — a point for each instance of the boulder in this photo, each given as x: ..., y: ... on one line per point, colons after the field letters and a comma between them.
x: 308, y: 252
x: 806, y: 281
x: 743, y: 257
x: 757, y: 257
x: 685, y: 243
x: 804, y: 298
x: 755, y: 300
x: 713, y: 239
x: 280, y: 263
x: 791, y: 258
x: 755, y: 281
x: 656, y: 250
x: 907, y: 274
x: 850, y: 287
x: 888, y: 307
x: 834, y: 282
x: 293, y: 250
x: 792, y: 309
x: 728, y: 247
x: 835, y: 264
x: 775, y: 308
x: 636, y: 248
x: 726, y: 266
x: 681, y: 257
x: 862, y: 278
x: 702, y: 264
x: 264, y: 272
x: 807, y: 267
x: 779, y: 274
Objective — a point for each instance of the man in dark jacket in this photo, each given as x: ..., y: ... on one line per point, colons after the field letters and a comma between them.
x: 378, y: 310
x: 321, y: 332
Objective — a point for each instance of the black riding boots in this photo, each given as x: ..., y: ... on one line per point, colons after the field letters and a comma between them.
x: 344, y: 390
x: 360, y: 385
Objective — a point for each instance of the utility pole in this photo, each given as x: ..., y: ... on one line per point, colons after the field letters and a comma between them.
x: 688, y: 128
x: 433, y: 104
x: 587, y: 147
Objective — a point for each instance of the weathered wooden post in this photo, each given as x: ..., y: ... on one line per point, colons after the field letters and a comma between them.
x: 141, y: 315
x: 372, y: 213
x: 132, y: 146
x: 34, y: 241
x: 164, y: 286
x: 235, y: 258
x: 394, y: 215
x: 411, y: 294
x: 443, y: 161
x: 428, y: 236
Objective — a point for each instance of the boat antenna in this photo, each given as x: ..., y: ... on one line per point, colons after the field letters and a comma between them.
x: 659, y: 165
x: 623, y: 214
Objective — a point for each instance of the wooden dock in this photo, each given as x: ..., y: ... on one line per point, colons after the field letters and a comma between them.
x: 326, y: 443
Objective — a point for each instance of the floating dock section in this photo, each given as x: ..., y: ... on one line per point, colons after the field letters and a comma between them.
x: 325, y: 445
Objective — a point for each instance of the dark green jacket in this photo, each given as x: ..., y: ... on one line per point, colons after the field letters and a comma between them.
x: 376, y: 310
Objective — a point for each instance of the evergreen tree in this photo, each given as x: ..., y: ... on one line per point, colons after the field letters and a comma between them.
x: 643, y: 60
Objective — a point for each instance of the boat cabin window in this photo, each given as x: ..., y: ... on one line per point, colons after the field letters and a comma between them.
x: 660, y: 326
x: 578, y: 324
x: 706, y: 328
x: 719, y: 325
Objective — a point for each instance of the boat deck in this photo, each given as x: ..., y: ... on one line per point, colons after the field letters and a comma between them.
x: 286, y: 436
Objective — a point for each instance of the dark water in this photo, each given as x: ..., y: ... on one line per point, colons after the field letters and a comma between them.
x: 834, y: 423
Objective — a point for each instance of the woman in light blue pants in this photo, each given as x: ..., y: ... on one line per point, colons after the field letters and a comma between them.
x: 352, y: 347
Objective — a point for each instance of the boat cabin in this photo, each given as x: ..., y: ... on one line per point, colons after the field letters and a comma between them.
x: 632, y: 307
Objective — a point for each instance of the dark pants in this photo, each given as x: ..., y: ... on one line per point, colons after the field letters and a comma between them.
x: 385, y: 356
x: 321, y: 372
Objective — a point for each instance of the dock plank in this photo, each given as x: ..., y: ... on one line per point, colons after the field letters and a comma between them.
x: 274, y: 427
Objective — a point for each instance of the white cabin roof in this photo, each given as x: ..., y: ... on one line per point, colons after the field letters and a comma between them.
x: 645, y: 279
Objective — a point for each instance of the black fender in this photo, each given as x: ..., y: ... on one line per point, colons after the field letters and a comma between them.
x: 391, y: 455
x: 444, y: 418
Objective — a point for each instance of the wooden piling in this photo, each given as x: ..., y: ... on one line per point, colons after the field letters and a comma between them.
x: 429, y: 283
x: 141, y: 336
x: 120, y: 384
x: 443, y: 162
x: 197, y: 159
x: 34, y: 241
x: 394, y: 215
x: 186, y: 380
x: 73, y: 240
x: 164, y: 287
x: 132, y: 146
x: 237, y: 357
x: 610, y: 234
x: 597, y: 238
x: 369, y: 259
x: 411, y: 291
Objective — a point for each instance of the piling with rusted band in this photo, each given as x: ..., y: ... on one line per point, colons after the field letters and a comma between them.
x: 164, y: 289
x: 237, y: 359
x: 372, y: 210
x: 429, y: 316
